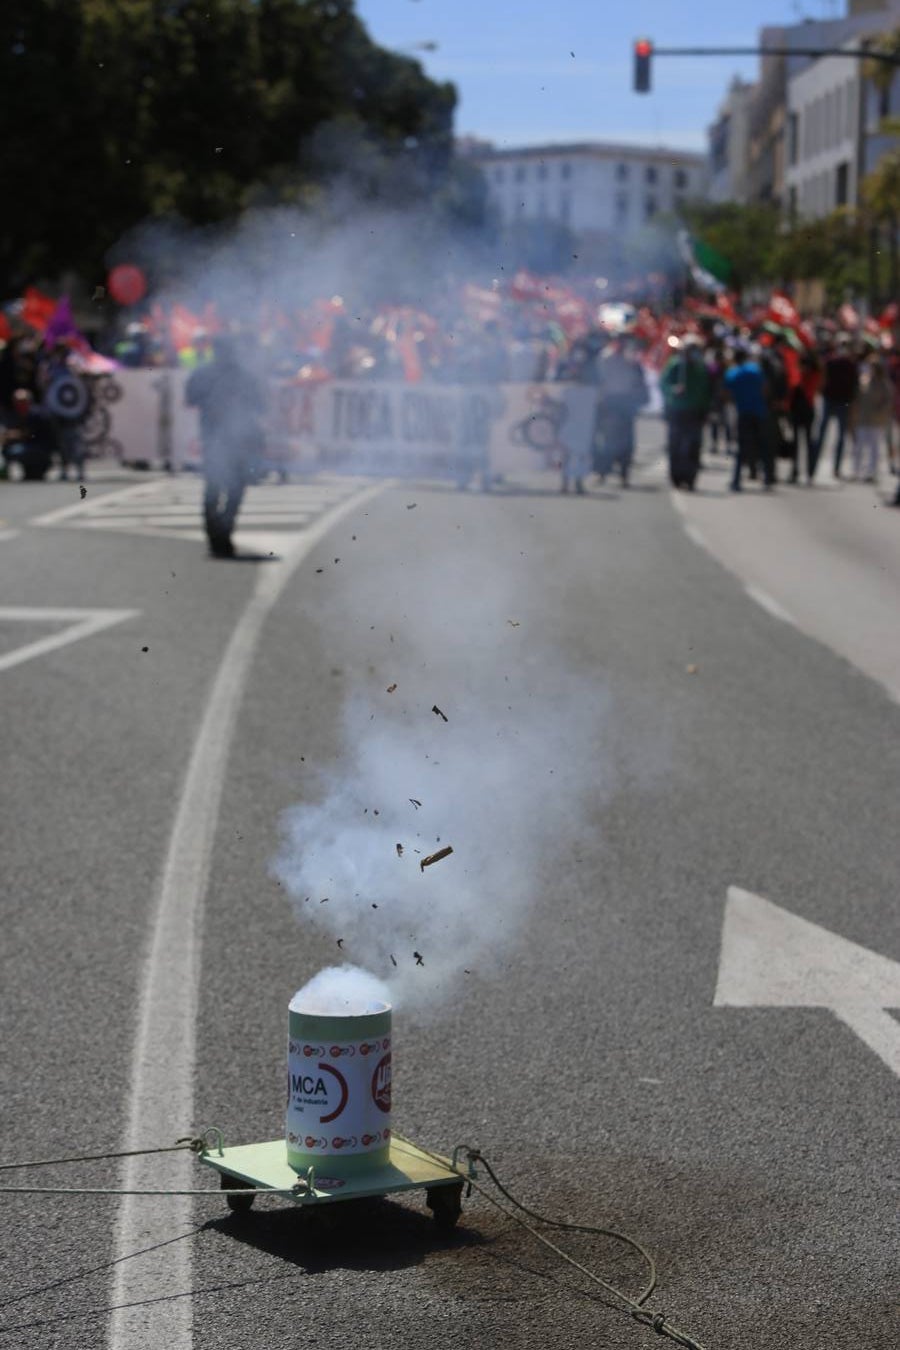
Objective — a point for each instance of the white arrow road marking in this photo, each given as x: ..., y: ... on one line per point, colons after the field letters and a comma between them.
x: 81, y: 623
x: 770, y: 958
x: 161, y: 1093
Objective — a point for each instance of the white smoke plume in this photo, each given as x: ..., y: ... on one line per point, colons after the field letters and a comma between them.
x: 341, y: 991
x: 509, y: 781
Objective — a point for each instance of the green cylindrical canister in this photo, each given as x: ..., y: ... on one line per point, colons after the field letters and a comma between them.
x: 339, y: 1090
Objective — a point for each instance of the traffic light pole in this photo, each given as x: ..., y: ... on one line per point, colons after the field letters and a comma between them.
x: 645, y: 51
x: 863, y: 54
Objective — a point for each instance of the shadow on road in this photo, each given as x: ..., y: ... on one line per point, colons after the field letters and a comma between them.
x: 372, y: 1235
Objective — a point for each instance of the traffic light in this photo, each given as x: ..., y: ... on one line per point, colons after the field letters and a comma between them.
x: 643, y: 50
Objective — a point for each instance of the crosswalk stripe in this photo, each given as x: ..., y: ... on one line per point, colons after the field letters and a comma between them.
x: 175, y: 506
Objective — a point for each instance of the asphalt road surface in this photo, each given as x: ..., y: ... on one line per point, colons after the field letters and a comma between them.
x: 674, y: 1017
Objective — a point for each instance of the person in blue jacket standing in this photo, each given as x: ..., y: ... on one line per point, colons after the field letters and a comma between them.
x: 746, y: 387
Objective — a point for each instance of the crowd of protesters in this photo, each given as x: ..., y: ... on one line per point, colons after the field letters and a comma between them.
x: 764, y: 386
x: 766, y: 399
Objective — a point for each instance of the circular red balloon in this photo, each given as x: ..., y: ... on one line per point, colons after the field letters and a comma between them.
x: 127, y: 284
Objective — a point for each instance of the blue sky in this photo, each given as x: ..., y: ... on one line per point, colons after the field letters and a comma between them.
x: 553, y: 70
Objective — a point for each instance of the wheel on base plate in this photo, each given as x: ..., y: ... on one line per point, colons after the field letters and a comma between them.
x: 445, y: 1203
x: 239, y: 1204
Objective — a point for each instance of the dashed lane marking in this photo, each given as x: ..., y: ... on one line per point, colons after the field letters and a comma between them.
x: 769, y: 604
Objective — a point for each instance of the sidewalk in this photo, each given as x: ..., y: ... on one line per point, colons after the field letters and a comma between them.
x: 826, y: 558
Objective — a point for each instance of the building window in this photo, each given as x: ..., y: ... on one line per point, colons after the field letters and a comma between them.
x: 842, y: 184
x: 678, y: 201
x: 650, y: 173
x: 793, y: 137
x: 650, y: 208
x: 520, y: 173
x: 621, y: 208
x: 565, y: 170
x: 681, y: 178
x: 621, y: 173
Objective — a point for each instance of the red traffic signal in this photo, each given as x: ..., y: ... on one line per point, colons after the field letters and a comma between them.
x: 643, y: 50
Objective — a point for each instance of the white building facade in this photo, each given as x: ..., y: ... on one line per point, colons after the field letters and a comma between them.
x: 592, y: 187
x: 823, y: 137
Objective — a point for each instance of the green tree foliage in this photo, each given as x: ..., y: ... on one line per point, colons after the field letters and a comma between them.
x: 129, y: 110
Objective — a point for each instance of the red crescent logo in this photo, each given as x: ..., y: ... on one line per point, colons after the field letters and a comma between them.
x: 345, y: 1093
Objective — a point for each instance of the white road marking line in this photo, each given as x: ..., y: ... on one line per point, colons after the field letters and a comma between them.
x: 81, y: 623
x: 769, y: 604
x: 161, y: 1090
x: 81, y: 507
x: 696, y: 537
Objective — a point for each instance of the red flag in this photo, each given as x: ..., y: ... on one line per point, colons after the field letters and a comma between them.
x: 848, y: 317
x: 889, y: 315
x: 782, y: 310
x: 183, y: 326
x: 725, y: 306
x: 5, y: 330
x: 37, y: 308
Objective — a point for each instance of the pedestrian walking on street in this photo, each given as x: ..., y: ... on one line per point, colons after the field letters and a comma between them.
x: 803, y: 413
x: 747, y: 389
x: 839, y: 391
x: 687, y: 394
x: 231, y: 403
x: 871, y: 417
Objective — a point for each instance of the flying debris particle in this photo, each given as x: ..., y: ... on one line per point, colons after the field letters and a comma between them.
x: 325, y: 901
x: 692, y: 670
x: 340, y: 943
x: 419, y: 960
x: 318, y: 570
x: 437, y: 710
x: 412, y: 506
x: 99, y: 293
x: 219, y: 149
x: 393, y: 962
x: 337, y: 560
x: 374, y: 906
x: 399, y: 848
x: 145, y: 649
x: 374, y: 813
x: 416, y: 803
x: 391, y: 688
x: 514, y: 623
x: 435, y: 857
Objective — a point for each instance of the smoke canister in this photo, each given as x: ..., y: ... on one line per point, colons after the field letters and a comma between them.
x: 339, y: 1088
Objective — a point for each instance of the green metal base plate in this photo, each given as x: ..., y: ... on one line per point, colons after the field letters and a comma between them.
x: 265, y: 1167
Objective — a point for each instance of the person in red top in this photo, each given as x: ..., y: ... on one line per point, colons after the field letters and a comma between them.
x: 803, y: 412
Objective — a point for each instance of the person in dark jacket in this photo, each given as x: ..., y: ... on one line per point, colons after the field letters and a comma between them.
x: 839, y: 389
x: 231, y: 403
x: 687, y: 394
